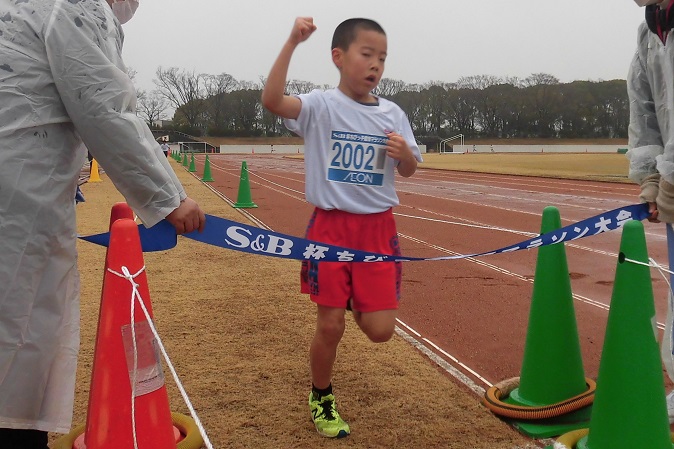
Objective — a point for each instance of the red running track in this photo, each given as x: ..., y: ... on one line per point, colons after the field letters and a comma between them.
x: 472, y: 313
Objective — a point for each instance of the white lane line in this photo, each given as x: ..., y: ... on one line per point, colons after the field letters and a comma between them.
x: 509, y: 198
x: 447, y: 355
x: 441, y: 362
x: 462, y: 365
x: 408, y: 327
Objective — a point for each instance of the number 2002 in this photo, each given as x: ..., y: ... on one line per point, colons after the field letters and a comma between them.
x: 358, y: 156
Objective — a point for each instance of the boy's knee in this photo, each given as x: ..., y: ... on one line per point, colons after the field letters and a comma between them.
x: 380, y: 335
x: 331, y: 329
x: 378, y: 326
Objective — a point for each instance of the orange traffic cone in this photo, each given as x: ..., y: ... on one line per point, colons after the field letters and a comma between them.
x: 120, y: 210
x: 126, y: 356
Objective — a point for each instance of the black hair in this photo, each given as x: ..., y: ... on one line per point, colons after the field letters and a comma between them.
x: 345, y: 33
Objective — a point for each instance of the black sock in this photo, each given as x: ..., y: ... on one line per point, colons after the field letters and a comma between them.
x: 319, y: 393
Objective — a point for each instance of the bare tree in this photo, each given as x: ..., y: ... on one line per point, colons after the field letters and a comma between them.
x: 389, y: 87
x: 544, y: 99
x: 540, y: 79
x: 217, y: 87
x: 184, y: 91
x: 434, y: 106
x: 478, y: 82
x: 152, y: 106
x: 297, y: 87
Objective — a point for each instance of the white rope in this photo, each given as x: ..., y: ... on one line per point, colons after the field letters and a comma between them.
x: 134, y: 287
x: 135, y: 294
x: 653, y: 264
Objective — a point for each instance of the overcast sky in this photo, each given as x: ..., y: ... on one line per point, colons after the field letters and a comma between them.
x: 439, y: 40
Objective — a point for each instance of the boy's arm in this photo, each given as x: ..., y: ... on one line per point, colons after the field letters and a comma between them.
x: 407, y: 166
x: 397, y: 148
x: 273, y: 94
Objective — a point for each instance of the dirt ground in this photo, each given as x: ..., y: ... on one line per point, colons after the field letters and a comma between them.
x: 238, y: 332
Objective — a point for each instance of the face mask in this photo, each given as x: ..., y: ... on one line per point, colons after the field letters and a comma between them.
x: 124, y: 10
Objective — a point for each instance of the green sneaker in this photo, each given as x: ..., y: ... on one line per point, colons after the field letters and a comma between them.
x: 325, y: 417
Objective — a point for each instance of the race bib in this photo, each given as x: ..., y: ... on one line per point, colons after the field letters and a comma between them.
x: 357, y: 158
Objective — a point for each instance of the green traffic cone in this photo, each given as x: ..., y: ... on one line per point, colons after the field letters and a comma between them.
x: 552, y: 367
x: 184, y: 159
x: 244, y: 199
x: 207, y: 171
x: 630, y: 410
x: 193, y: 167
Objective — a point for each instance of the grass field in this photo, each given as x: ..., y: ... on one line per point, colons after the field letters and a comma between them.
x: 590, y: 166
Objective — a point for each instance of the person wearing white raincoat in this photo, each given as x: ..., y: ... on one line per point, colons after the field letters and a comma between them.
x: 62, y: 81
x: 650, y: 87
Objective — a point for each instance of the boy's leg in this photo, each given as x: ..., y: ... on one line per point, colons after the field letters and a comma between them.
x: 378, y: 326
x: 376, y: 286
x: 329, y: 331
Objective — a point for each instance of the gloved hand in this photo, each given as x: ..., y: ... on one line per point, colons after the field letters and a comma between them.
x: 649, y: 188
x: 665, y: 202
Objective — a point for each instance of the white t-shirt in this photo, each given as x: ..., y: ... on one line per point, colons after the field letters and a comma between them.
x: 344, y: 157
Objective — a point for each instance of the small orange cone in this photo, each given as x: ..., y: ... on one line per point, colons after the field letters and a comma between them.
x: 109, y: 414
x: 94, y: 176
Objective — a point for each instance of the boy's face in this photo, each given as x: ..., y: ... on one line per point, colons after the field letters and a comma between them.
x: 361, y: 66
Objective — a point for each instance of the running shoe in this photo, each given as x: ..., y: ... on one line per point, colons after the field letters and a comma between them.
x: 325, y: 417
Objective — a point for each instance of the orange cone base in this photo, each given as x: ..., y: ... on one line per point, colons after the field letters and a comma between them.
x: 185, y: 432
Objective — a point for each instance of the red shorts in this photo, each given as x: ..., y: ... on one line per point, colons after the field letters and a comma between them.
x: 374, y: 286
